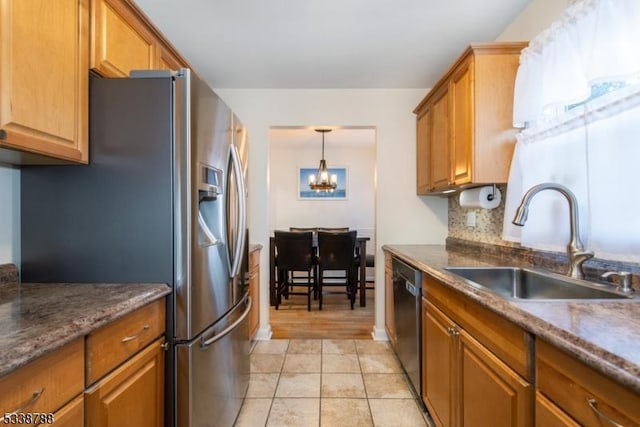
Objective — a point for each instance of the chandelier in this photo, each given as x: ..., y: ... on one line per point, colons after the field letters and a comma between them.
x: 322, y: 181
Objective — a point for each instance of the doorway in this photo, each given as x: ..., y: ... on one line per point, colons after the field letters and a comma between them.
x: 293, y: 151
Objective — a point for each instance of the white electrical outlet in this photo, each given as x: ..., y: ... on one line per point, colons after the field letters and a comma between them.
x: 471, y: 219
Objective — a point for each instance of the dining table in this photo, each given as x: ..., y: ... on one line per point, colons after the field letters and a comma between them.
x: 361, y: 243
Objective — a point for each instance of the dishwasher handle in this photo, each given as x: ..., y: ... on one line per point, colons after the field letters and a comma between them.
x: 413, y: 290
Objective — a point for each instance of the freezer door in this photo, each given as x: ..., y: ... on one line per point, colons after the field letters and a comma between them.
x: 213, y: 372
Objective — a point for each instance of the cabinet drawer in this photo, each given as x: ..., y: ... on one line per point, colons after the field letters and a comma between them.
x: 512, y: 344
x: 111, y: 345
x: 585, y: 394
x: 45, y: 384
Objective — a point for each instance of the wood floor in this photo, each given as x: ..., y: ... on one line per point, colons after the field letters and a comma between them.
x: 335, y: 321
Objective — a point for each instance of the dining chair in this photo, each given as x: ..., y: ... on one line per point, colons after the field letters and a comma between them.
x: 294, y: 253
x: 336, y: 252
x: 333, y: 229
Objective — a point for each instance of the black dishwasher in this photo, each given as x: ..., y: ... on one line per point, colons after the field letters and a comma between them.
x: 407, y: 295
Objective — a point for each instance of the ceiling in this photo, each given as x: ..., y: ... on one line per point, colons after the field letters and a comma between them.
x: 291, y: 44
x: 339, y: 137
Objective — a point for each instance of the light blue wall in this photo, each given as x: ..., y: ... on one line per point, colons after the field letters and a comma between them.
x: 9, y: 214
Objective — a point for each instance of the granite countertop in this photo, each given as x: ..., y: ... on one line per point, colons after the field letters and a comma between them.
x: 603, y: 334
x: 37, y: 318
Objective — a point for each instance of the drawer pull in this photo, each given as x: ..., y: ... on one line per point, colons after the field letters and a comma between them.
x: 593, y: 403
x: 133, y: 337
x: 34, y: 398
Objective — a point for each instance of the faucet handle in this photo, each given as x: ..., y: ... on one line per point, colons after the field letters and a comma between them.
x: 624, y: 279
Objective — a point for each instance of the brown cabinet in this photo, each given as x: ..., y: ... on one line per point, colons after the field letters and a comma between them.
x: 439, y: 362
x: 132, y: 395
x: 130, y: 352
x: 123, y: 40
x: 123, y: 386
x: 45, y: 385
x: 475, y: 364
x: 579, y: 392
x: 389, y: 323
x: 44, y: 81
x: 254, y: 292
x: 464, y: 125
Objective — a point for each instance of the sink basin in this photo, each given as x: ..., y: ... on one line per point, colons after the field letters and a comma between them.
x: 526, y: 284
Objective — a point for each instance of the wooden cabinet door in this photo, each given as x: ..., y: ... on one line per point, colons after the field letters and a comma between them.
x: 439, y: 387
x: 461, y: 100
x: 423, y: 127
x: 492, y: 394
x: 132, y: 395
x: 120, y: 42
x: 254, y: 292
x: 439, y: 146
x: 70, y: 415
x: 167, y: 60
x: 43, y: 79
x: 389, y: 323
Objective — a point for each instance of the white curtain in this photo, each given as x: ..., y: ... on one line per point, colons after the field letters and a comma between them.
x: 579, y: 132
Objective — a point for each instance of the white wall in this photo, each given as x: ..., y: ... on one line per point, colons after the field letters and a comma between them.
x: 535, y: 18
x: 355, y: 212
x: 401, y: 216
x: 9, y: 215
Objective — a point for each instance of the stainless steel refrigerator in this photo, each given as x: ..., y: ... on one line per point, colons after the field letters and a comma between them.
x: 162, y: 200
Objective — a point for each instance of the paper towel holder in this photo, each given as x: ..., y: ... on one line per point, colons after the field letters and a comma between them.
x: 492, y: 196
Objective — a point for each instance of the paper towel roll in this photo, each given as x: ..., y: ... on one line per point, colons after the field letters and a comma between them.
x: 481, y: 197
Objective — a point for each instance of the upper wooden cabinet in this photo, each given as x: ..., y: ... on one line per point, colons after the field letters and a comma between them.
x: 464, y: 125
x: 44, y: 81
x: 123, y: 40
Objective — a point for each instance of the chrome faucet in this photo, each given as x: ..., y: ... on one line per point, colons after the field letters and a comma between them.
x: 575, y: 249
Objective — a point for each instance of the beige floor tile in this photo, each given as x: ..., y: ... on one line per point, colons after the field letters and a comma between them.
x: 298, y: 385
x: 343, y: 385
x: 390, y: 386
x: 300, y: 346
x: 373, y: 347
x: 271, y: 347
x: 345, y: 412
x: 338, y: 347
x: 262, y: 385
x: 265, y: 363
x: 294, y: 413
x: 340, y: 363
x: 254, y: 412
x: 305, y: 363
x: 379, y: 364
x: 396, y: 413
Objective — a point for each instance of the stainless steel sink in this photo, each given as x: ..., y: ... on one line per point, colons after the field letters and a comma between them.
x: 527, y: 284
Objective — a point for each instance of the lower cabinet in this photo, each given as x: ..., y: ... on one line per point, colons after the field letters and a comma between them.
x: 389, y: 324
x: 465, y: 383
x: 572, y: 393
x: 112, y: 377
x: 254, y: 292
x: 132, y: 395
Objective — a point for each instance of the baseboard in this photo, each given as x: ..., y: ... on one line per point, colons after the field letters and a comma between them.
x: 263, y: 333
x: 379, y: 334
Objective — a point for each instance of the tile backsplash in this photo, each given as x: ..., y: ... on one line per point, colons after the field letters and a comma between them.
x: 488, y: 228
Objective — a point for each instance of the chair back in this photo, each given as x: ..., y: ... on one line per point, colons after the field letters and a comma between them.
x: 299, y: 229
x: 294, y: 250
x: 334, y: 229
x: 336, y: 250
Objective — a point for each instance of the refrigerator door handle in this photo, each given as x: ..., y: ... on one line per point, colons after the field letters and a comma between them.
x: 242, y: 212
x: 206, y: 343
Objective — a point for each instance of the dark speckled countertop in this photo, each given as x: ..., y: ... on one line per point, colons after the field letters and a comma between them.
x: 36, y: 319
x: 603, y: 334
